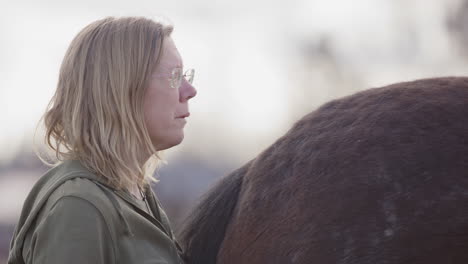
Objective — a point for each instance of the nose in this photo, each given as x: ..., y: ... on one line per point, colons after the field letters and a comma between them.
x: 186, y: 91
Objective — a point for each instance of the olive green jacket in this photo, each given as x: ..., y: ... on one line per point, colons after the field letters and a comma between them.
x: 71, y: 216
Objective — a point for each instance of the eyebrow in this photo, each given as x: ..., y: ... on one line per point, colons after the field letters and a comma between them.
x: 169, y: 68
x: 172, y: 66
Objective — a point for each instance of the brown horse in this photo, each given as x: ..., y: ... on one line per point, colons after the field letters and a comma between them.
x: 376, y: 177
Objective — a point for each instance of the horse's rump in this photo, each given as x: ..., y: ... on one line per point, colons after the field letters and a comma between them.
x: 376, y: 177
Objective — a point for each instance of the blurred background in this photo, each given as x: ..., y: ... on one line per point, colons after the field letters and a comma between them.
x: 260, y: 66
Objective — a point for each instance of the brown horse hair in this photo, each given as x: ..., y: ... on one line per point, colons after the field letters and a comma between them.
x: 211, y: 218
x: 378, y: 177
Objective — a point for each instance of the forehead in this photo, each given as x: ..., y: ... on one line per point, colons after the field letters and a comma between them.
x: 170, y: 57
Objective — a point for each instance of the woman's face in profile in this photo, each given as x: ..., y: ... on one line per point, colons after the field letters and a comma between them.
x: 166, y: 107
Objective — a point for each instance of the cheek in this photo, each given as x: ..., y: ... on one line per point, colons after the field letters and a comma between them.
x: 154, y: 113
x: 159, y: 110
x: 162, y: 97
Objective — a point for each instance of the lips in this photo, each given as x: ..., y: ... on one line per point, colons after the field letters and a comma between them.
x: 184, y: 115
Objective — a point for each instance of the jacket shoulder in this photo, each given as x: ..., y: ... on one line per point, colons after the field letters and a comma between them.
x: 93, y: 192
x: 80, y: 187
x: 73, y: 231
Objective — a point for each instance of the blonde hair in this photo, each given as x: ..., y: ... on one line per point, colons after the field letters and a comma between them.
x: 96, y: 114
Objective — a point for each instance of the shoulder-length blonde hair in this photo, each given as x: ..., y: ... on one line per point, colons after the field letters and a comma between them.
x: 96, y: 114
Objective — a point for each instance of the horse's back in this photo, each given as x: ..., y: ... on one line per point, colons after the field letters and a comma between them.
x: 376, y: 177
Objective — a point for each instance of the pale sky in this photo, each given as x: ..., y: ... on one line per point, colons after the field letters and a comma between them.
x: 243, y: 51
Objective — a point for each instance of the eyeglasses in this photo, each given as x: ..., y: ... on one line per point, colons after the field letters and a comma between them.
x: 177, y: 75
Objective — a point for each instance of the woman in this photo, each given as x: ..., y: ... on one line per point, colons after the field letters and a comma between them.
x: 122, y: 96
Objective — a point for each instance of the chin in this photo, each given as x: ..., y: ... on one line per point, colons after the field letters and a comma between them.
x: 174, y: 140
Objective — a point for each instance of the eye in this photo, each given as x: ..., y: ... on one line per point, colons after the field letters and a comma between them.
x: 176, y: 78
x: 176, y: 73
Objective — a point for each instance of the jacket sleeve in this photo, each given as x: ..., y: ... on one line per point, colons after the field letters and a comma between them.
x: 73, y: 231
